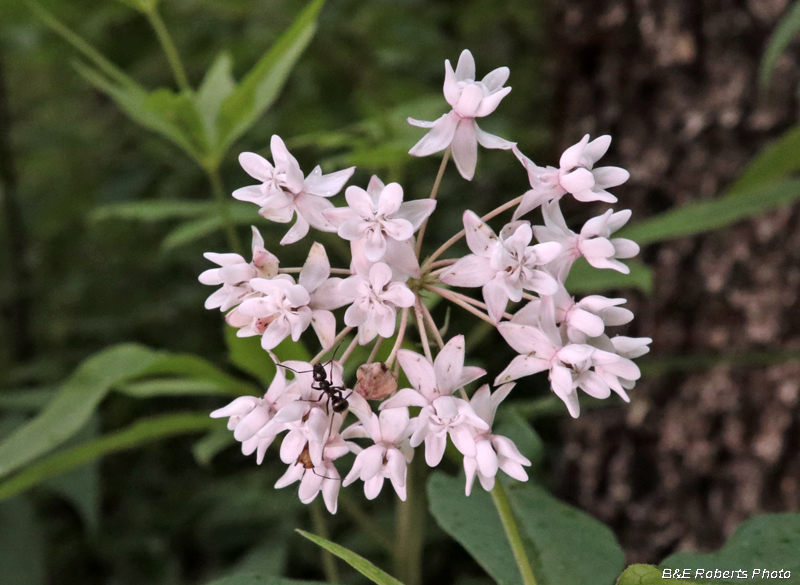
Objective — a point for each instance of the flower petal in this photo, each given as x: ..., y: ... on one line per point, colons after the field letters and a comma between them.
x: 465, y: 148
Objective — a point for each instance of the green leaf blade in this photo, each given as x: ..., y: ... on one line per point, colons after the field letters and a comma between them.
x: 261, y: 86
x: 784, y: 33
x: 359, y: 563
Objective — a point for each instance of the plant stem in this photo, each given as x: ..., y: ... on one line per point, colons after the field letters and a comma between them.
x: 432, y: 325
x: 434, y: 192
x: 512, y: 533
x: 169, y: 48
x: 222, y: 200
x: 321, y: 527
x: 349, y: 350
x: 336, y: 340
x: 446, y: 294
x: 423, y: 334
x: 410, y: 522
x: 375, y: 349
x: 401, y: 333
x: 443, y: 248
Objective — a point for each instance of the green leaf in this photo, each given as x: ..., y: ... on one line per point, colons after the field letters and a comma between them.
x: 584, y: 278
x: 143, y: 6
x: 74, y: 404
x: 155, y: 210
x: 79, y: 396
x: 704, y: 216
x: 460, y: 517
x: 360, y: 564
x: 192, y: 231
x: 175, y: 387
x: 645, y: 575
x: 261, y: 86
x: 769, y: 542
x: 784, y: 33
x: 257, y: 579
x: 247, y: 354
x: 552, y: 531
x: 22, y: 544
x: 171, y: 115
x: 217, y: 85
x: 140, y: 433
x: 28, y: 399
x: 557, y: 531
x: 774, y: 163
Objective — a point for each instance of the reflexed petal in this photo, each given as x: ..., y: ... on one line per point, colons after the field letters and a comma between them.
x: 465, y: 148
x: 327, y: 185
x: 292, y: 474
x: 438, y: 138
x: 275, y: 332
x: 496, y: 297
x: 340, y: 215
x: 324, y: 324
x: 239, y: 407
x: 591, y: 383
x: 631, y: 347
x: 251, y: 194
x: 251, y: 424
x: 316, y: 269
x: 313, y: 209
x: 448, y: 365
x: 421, y: 123
x: 624, y: 248
x: 527, y: 339
x: 405, y: 397
x: 418, y: 370
x: 309, y: 486
x: 224, y: 259
x: 462, y: 439
x: 481, y: 239
x: 393, y: 423
x: 618, y: 219
x: 372, y: 487
x: 470, y: 467
x: 469, y: 271
x: 415, y: 212
x: 330, y: 490
x: 297, y: 232
x: 487, y: 459
x: 434, y: 449
x: 521, y: 366
x: 492, y: 141
x: 292, y: 446
x: 371, y: 462
x: 481, y: 403
x: 210, y: 277
x: 396, y: 466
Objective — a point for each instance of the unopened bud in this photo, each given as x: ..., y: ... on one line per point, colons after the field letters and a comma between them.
x: 375, y: 381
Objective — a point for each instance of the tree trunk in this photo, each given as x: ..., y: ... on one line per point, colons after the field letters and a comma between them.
x: 675, y: 83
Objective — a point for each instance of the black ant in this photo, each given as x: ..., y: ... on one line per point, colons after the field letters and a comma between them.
x: 332, y: 393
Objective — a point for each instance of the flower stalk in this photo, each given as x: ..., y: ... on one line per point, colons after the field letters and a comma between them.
x: 512, y: 533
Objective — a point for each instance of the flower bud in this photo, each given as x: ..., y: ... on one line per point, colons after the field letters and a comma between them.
x: 375, y: 381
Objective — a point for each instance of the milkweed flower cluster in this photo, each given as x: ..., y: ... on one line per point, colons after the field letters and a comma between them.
x: 521, y: 270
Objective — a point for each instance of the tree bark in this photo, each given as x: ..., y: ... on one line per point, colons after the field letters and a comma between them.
x: 675, y: 83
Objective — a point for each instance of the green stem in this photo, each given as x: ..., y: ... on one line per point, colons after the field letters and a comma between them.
x: 222, y: 199
x: 169, y: 48
x: 411, y: 526
x: 512, y: 533
x: 321, y: 528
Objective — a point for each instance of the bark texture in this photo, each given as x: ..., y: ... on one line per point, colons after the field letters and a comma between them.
x: 675, y: 83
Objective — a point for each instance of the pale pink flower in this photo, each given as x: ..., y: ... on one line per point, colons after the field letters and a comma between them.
x: 470, y: 99
x: 388, y: 457
x: 375, y: 300
x: 284, y: 192
x: 283, y: 308
x: 235, y: 274
x: 378, y: 216
x: 580, y: 320
x: 247, y: 415
x: 542, y: 349
x: 622, y: 374
x: 324, y: 294
x: 493, y: 452
x: 433, y: 388
x: 504, y: 266
x: 575, y: 175
x: 594, y: 242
